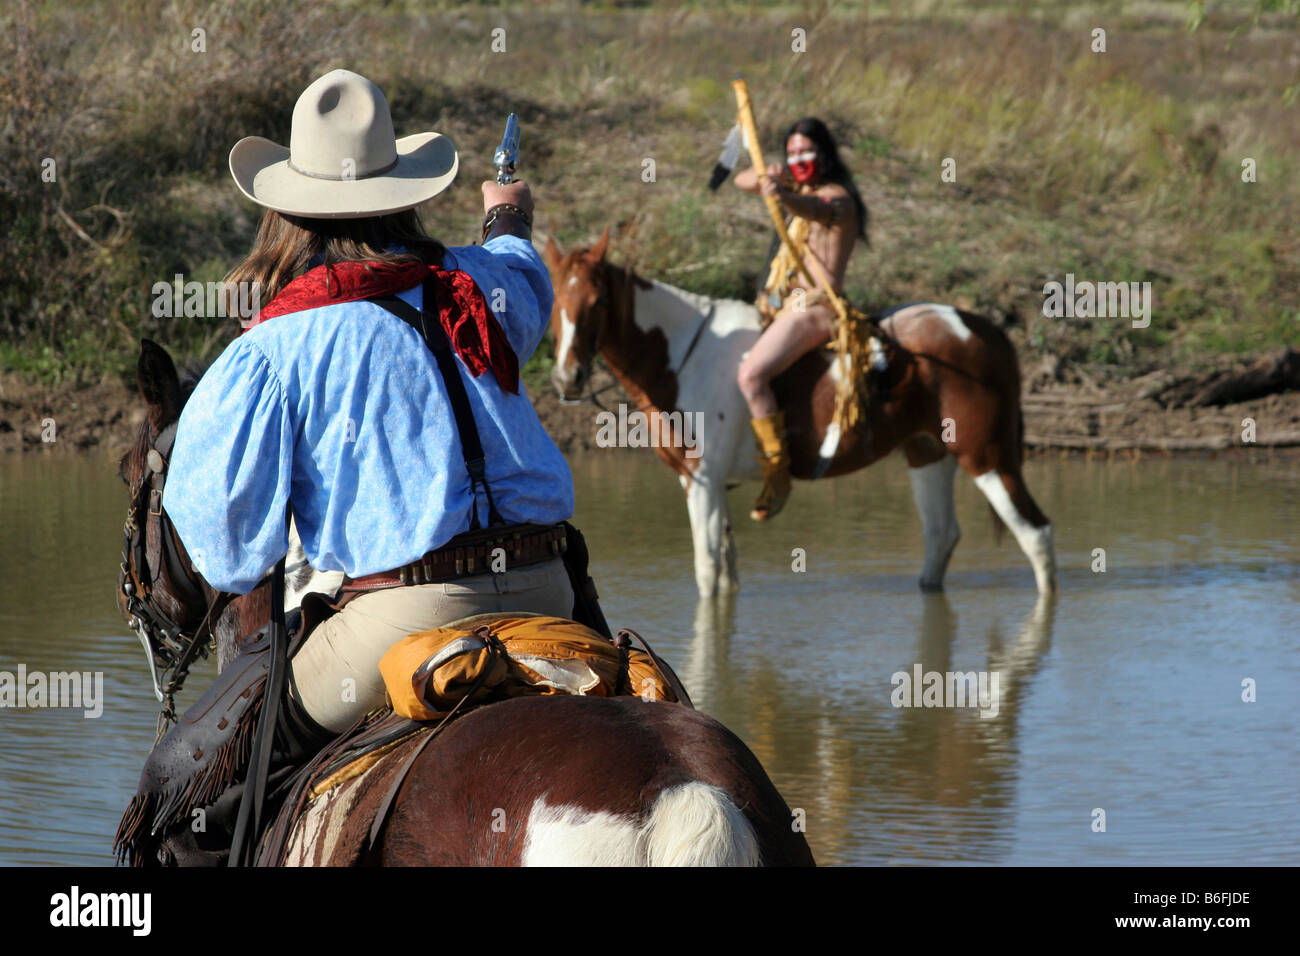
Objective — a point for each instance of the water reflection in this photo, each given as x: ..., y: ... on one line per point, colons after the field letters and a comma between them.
x: 1124, y: 694
x: 715, y: 618
x: 945, y: 778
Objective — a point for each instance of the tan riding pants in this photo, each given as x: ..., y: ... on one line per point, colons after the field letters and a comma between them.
x: 336, y: 671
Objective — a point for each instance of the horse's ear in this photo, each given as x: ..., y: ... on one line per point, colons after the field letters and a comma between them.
x: 160, y: 386
x: 597, y: 253
x: 552, y: 254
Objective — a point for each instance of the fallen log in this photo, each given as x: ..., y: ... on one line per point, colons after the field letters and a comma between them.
x: 1278, y: 372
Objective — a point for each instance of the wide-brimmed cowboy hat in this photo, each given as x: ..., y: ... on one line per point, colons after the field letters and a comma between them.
x: 343, y: 159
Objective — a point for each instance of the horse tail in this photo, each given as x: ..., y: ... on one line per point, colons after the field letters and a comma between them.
x: 1012, y: 452
x: 1020, y: 433
x: 697, y: 824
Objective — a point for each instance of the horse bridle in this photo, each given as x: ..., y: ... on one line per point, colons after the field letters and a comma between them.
x: 170, y: 646
x: 602, y: 301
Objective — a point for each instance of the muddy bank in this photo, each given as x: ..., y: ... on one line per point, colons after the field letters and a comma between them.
x: 98, y: 418
x: 1113, y: 421
x: 1244, y: 404
x: 1138, y: 415
x: 103, y: 418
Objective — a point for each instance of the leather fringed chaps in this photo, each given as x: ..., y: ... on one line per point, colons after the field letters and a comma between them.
x: 201, y: 758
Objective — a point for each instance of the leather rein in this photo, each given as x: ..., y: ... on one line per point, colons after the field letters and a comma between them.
x: 602, y: 300
x: 170, y: 646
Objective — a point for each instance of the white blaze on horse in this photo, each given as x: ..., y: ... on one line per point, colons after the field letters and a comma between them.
x: 950, y: 397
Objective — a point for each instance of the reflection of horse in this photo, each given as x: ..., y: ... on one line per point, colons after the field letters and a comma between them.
x: 573, y: 779
x: 951, y: 397
x: 927, y: 783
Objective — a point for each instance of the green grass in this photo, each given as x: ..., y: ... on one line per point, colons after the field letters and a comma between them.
x: 536, y: 372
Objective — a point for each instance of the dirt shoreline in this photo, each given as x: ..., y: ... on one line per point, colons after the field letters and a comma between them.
x: 1121, y: 419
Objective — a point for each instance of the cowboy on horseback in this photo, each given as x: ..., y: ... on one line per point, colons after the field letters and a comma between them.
x: 377, y: 398
x: 827, y: 216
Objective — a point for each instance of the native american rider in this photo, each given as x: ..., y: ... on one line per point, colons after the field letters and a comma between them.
x: 826, y: 217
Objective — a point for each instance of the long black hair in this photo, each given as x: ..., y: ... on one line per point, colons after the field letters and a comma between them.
x: 830, y: 165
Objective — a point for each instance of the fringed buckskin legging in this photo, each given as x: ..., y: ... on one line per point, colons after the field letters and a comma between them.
x: 350, y: 644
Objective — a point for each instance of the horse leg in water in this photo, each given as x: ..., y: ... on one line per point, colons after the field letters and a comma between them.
x: 1006, y: 491
x: 711, y: 535
x: 987, y: 444
x: 932, y: 470
x: 994, y: 463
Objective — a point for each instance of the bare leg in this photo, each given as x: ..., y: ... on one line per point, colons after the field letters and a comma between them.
x: 791, y: 335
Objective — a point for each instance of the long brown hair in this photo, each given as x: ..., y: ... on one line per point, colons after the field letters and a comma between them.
x: 286, y: 244
x: 834, y: 170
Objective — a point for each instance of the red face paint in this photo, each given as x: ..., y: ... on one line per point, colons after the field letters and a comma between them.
x: 803, y: 166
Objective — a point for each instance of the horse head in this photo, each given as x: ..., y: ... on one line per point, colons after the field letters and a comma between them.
x: 580, y: 314
x: 176, y: 614
x: 163, y: 598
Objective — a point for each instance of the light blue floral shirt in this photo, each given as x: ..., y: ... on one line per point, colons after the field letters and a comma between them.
x: 340, y: 412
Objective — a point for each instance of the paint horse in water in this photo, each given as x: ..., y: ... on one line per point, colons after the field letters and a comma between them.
x: 575, y: 780
x: 950, y: 397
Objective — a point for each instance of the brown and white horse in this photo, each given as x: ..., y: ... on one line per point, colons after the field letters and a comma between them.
x: 574, y: 780
x: 950, y: 397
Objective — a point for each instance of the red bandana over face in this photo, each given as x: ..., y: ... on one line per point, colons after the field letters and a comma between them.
x: 472, y: 329
x: 803, y: 166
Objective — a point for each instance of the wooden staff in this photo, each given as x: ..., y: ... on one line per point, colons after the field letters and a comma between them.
x: 774, y: 207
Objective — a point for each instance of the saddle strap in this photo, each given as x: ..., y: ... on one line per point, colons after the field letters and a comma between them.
x: 493, y: 644
x: 626, y: 636
x: 390, y: 797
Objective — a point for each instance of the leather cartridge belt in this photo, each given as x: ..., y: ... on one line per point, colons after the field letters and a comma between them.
x: 469, y: 554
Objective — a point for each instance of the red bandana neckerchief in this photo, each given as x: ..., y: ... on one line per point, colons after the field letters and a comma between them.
x: 472, y: 329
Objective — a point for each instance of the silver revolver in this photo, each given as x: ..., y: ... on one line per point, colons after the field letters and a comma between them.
x: 507, y: 153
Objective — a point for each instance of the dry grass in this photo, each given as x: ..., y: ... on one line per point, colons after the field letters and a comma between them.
x: 1122, y: 166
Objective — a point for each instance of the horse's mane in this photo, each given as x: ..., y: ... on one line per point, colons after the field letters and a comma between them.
x: 133, y: 462
x: 630, y: 273
x: 699, y: 300
x: 189, y: 374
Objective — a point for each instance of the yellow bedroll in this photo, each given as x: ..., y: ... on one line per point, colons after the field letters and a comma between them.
x: 497, y: 656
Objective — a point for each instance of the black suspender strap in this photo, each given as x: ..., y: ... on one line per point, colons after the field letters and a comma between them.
x: 436, y: 339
